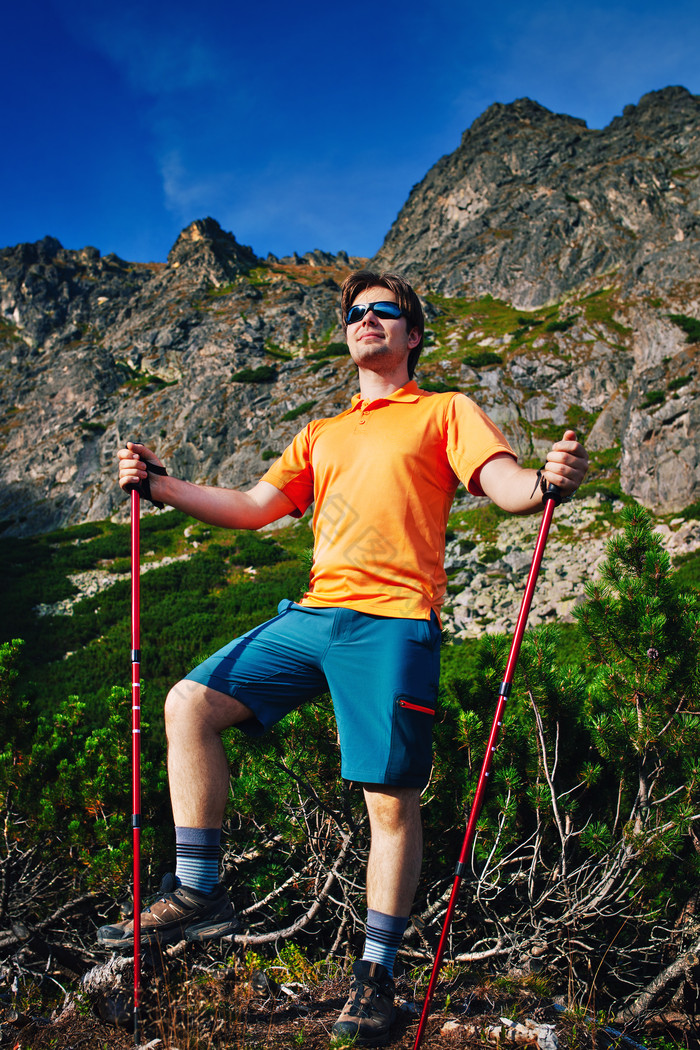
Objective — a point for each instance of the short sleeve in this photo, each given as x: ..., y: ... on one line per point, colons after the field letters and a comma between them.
x: 293, y: 474
x: 472, y: 439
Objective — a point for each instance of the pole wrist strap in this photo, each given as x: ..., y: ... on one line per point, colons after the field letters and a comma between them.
x: 144, y: 486
x: 548, y: 490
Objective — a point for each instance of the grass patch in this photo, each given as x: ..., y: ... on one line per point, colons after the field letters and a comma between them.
x: 144, y: 382
x: 692, y: 511
x: 439, y: 386
x: 480, y: 523
x: 545, y: 430
x: 686, y: 173
x: 218, y: 291
x: 277, y: 351
x: 332, y: 350
x: 482, y: 359
x: 678, y: 383
x: 492, y: 316
x: 580, y: 420
x: 689, y: 325
x: 608, y: 491
x: 606, y: 459
x: 300, y: 410
x: 261, y: 374
x: 259, y: 276
x: 196, y: 604
x: 653, y: 399
x: 687, y: 568
x: 563, y: 325
x: 463, y: 324
x: 599, y: 307
x: 322, y: 357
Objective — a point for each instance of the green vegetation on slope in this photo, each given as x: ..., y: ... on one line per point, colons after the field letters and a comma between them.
x: 586, y: 708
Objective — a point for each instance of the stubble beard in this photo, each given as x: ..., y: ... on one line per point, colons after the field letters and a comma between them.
x: 377, y: 357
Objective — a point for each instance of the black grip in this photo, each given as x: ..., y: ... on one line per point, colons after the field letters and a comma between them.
x: 143, y: 487
x: 552, y: 492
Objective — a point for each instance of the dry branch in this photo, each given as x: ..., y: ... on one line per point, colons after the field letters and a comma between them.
x: 309, y: 915
x: 662, y: 986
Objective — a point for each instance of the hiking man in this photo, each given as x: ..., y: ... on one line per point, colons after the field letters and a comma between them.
x: 382, y: 476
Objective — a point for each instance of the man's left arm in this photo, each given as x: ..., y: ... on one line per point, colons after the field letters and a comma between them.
x: 517, y: 489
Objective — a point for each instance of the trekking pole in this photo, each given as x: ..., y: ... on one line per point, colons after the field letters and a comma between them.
x: 136, y: 741
x: 551, y: 497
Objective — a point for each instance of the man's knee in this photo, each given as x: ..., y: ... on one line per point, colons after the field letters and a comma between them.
x: 392, y: 808
x: 181, y: 703
x: 190, y: 704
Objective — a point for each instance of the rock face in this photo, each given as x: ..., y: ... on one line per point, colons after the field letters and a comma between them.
x: 533, y: 203
x: 95, y: 351
x: 216, y: 357
x: 487, y: 591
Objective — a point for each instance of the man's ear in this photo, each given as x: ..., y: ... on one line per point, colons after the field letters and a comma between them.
x: 413, y: 338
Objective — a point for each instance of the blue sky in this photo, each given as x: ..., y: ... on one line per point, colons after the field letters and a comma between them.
x: 295, y: 126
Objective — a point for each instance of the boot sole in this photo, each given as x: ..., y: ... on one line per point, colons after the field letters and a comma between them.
x: 211, y: 931
x: 197, y: 933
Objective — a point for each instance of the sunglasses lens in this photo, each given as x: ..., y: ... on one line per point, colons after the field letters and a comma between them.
x: 356, y: 313
x: 383, y: 310
x: 386, y: 310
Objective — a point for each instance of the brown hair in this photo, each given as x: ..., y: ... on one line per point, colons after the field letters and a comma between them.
x: 407, y: 299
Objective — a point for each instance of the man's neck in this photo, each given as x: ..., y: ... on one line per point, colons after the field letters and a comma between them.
x: 374, y: 385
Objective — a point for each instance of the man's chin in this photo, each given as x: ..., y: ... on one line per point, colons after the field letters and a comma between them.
x: 367, y: 355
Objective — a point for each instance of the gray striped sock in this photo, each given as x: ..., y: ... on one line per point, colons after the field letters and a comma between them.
x: 197, y: 857
x: 383, y: 937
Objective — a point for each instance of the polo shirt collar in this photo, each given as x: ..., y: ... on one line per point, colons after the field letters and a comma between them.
x: 408, y: 393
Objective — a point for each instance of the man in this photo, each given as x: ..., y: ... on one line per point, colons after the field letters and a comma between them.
x: 382, y: 476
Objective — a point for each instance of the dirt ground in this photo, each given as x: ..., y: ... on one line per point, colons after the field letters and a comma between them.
x: 195, y: 1007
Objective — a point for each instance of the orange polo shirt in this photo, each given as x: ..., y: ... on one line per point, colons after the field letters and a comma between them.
x: 382, y: 476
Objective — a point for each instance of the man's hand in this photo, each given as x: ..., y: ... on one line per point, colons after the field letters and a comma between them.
x: 228, y: 508
x: 517, y: 490
x: 567, y: 463
x: 132, y: 464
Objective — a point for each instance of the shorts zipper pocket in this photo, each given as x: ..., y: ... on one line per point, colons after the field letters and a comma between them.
x: 415, y: 707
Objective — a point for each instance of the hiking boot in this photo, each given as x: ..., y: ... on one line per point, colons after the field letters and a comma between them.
x: 369, y: 1011
x: 178, y: 913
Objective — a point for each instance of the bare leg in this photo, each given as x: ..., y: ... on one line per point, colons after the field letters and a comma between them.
x: 195, y: 717
x: 396, y: 852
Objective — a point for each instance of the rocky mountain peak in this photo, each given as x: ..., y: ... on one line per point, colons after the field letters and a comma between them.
x: 216, y: 255
x: 505, y: 119
x: 668, y: 106
x: 532, y: 203
x: 52, y: 293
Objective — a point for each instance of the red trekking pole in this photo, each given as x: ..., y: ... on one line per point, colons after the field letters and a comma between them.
x: 551, y: 497
x: 136, y: 740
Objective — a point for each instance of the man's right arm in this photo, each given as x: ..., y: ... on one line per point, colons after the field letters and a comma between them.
x: 228, y: 508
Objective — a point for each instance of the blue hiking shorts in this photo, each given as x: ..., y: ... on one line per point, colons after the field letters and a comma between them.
x: 382, y: 674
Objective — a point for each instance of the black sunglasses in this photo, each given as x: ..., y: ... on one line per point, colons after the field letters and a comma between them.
x: 385, y: 311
